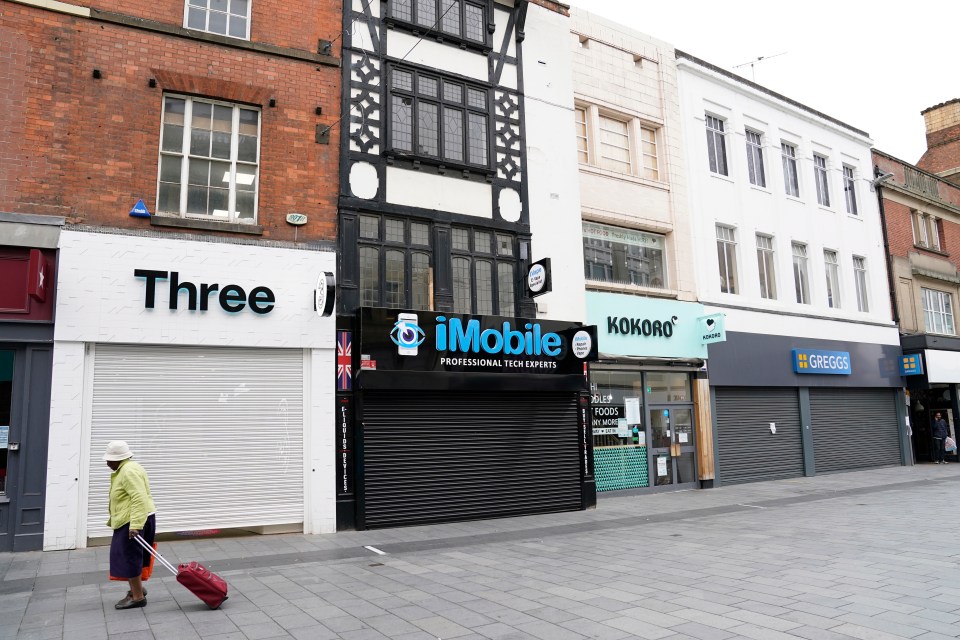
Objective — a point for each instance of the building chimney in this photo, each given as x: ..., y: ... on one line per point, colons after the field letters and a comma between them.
x: 942, y: 157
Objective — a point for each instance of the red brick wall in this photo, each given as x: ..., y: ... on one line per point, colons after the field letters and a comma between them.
x: 88, y: 149
x: 296, y: 24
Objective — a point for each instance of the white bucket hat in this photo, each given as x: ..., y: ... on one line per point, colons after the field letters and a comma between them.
x: 117, y: 450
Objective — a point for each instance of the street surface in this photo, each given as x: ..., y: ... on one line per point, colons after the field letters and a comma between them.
x: 871, y: 555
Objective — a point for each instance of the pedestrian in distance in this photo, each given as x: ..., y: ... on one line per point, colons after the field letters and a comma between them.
x: 939, y: 435
x: 132, y: 513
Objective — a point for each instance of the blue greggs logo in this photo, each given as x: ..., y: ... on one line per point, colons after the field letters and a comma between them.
x: 453, y: 336
x: 822, y: 362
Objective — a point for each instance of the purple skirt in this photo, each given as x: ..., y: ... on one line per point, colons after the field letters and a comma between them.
x: 127, y: 558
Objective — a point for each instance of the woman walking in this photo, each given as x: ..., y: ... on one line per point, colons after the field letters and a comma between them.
x: 132, y: 513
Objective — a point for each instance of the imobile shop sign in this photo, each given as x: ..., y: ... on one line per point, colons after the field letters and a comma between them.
x: 430, y: 341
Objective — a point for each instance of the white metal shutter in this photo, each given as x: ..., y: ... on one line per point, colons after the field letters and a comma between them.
x: 219, y: 431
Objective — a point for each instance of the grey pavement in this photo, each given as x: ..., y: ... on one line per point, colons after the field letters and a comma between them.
x: 869, y: 555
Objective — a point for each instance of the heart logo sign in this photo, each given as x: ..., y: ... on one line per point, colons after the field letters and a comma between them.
x: 710, y: 323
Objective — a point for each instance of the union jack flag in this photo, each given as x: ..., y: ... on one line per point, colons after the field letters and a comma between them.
x: 344, y: 361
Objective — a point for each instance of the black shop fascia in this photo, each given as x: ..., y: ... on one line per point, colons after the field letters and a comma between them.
x: 419, y: 390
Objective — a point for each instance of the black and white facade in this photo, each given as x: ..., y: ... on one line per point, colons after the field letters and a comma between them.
x: 435, y: 215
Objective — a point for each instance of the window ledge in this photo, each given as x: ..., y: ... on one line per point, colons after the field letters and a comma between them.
x: 855, y: 216
x: 626, y: 177
x: 794, y: 199
x: 765, y: 190
x: 634, y: 289
x: 937, y: 252
x: 827, y: 209
x: 206, y: 225
x: 720, y: 176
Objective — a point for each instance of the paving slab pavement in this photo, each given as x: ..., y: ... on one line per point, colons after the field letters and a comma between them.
x: 866, y: 554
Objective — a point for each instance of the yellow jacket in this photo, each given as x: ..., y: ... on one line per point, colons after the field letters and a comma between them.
x: 130, y: 499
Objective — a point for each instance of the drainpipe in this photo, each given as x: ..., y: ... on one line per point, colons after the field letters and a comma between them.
x: 879, y: 178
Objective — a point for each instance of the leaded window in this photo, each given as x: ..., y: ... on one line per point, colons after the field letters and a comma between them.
x: 459, y: 18
x: 395, y: 263
x: 440, y: 118
x: 484, y: 271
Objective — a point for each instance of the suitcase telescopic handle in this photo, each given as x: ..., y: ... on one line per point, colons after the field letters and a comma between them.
x: 156, y: 554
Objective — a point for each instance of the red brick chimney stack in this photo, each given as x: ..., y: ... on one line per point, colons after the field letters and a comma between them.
x: 942, y: 157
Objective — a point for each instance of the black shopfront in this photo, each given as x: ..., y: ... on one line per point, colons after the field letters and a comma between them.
x: 447, y: 417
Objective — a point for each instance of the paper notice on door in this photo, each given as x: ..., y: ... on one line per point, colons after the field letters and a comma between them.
x: 623, y: 429
x: 662, y: 466
x: 632, y: 406
x: 682, y: 438
x: 642, y: 439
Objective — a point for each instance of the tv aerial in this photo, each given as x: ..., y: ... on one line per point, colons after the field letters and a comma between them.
x: 752, y: 63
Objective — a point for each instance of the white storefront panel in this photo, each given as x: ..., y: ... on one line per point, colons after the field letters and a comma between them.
x: 210, y: 360
x: 942, y: 366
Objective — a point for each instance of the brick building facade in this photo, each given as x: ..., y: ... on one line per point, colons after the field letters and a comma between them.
x: 150, y: 155
x: 921, y: 214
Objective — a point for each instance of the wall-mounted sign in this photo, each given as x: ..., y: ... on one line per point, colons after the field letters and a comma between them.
x: 37, y: 273
x: 344, y: 437
x: 344, y: 361
x: 139, y: 210
x: 713, y: 328
x: 296, y: 219
x: 232, y: 297
x: 911, y: 365
x: 822, y: 362
x: 539, y: 278
x: 640, y: 326
x: 432, y: 341
x: 325, y: 295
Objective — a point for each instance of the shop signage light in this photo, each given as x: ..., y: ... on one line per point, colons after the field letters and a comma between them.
x: 325, y: 295
x: 233, y: 298
x: 822, y: 362
x: 539, y: 278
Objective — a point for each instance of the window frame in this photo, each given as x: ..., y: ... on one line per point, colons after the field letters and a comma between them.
x: 861, y: 283
x: 383, y: 245
x: 495, y: 258
x: 727, y: 259
x: 442, y: 104
x: 436, y: 30
x: 789, y: 161
x: 717, y: 139
x: 642, y: 137
x: 186, y: 156
x: 756, y: 172
x: 766, y: 266
x: 583, y: 155
x: 821, y: 178
x: 831, y: 269
x: 801, y: 272
x: 611, y: 281
x: 207, y: 10
x: 850, y: 190
x: 924, y: 227
x: 601, y: 144
x: 935, y: 298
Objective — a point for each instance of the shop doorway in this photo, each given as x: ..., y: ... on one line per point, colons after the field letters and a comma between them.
x: 672, y: 454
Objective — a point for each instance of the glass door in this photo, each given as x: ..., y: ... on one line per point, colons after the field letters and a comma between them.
x: 672, y: 450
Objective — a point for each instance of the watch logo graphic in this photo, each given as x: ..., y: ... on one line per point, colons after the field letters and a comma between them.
x: 407, y: 334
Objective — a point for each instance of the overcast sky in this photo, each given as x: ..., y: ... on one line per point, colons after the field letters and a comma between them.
x: 874, y: 65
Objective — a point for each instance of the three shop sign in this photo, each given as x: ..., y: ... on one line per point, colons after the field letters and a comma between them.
x: 232, y: 297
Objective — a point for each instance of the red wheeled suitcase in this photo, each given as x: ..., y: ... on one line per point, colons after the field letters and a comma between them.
x: 202, y: 582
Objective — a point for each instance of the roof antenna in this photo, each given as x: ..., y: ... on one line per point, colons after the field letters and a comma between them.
x: 753, y: 72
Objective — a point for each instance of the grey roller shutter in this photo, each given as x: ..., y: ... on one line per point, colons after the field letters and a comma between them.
x: 854, y: 428
x: 442, y: 457
x: 747, y: 451
x: 219, y: 431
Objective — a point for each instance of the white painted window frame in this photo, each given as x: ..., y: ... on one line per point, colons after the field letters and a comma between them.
x: 938, y: 311
x: 207, y: 10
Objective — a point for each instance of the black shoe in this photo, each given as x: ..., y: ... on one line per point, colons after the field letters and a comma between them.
x: 130, y: 593
x: 130, y: 603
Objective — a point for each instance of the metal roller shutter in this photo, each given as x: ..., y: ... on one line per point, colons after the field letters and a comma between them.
x: 747, y: 450
x: 442, y: 457
x: 854, y: 428
x: 219, y: 431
